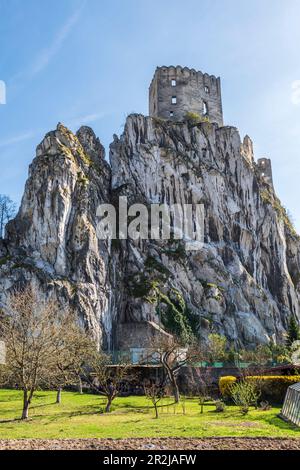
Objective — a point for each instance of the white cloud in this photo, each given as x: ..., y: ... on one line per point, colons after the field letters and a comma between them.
x: 75, y: 122
x: 86, y: 119
x: 46, y: 55
x: 295, y: 96
x: 17, y: 138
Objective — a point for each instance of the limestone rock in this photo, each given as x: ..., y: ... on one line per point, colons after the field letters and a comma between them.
x: 52, y: 242
x: 243, y: 283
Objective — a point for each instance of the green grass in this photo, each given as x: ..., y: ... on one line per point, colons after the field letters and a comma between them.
x: 79, y: 416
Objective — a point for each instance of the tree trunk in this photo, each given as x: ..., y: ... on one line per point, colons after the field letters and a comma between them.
x: 156, y: 411
x: 108, y: 405
x: 58, y: 396
x: 26, y: 403
x: 173, y: 381
x: 80, y: 386
x: 175, y: 391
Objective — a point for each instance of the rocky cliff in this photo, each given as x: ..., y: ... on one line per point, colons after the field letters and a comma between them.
x: 243, y: 283
x: 52, y: 242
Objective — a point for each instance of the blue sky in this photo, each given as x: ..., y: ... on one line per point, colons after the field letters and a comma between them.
x: 91, y: 61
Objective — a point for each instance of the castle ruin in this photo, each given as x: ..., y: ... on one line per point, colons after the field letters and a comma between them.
x: 264, y: 166
x: 176, y: 91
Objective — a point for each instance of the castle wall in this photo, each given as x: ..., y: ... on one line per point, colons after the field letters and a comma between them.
x: 138, y: 335
x: 192, y: 90
x: 264, y: 166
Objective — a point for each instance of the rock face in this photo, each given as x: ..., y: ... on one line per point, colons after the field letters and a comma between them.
x: 243, y: 283
x: 52, y: 242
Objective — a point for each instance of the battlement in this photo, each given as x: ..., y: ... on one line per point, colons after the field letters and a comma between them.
x: 175, y: 91
x: 186, y: 73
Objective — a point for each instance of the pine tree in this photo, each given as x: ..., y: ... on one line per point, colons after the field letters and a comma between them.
x: 293, y: 331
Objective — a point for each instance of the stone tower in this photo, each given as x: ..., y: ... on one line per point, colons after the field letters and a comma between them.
x: 174, y: 91
x: 264, y: 166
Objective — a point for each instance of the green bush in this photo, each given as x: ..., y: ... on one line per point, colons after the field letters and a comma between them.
x: 244, y: 394
x: 272, y: 387
x: 194, y: 118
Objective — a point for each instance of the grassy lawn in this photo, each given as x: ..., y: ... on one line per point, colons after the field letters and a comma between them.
x: 79, y: 416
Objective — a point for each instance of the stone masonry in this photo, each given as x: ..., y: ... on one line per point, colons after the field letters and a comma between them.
x: 264, y: 166
x: 174, y: 91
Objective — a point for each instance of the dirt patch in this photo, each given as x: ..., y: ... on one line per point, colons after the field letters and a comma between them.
x: 234, y: 424
x: 226, y: 443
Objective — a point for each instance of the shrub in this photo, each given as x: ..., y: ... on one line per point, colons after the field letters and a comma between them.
x: 194, y: 118
x: 274, y: 387
x: 293, y: 331
x: 220, y: 406
x: 244, y: 394
x: 265, y: 406
x: 225, y: 384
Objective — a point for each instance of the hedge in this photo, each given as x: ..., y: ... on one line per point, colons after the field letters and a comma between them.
x: 272, y: 387
x: 225, y: 383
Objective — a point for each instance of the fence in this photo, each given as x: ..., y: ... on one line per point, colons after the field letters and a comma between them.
x: 144, y: 356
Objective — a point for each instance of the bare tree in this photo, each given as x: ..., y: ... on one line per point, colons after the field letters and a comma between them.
x: 108, y: 379
x: 75, y: 349
x: 204, y: 387
x: 31, y: 331
x: 7, y: 212
x: 155, y: 392
x: 173, y: 355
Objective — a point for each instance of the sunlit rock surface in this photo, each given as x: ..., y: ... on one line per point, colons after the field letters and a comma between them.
x: 243, y: 283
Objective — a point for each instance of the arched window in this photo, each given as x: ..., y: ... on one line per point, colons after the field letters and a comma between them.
x: 205, y: 108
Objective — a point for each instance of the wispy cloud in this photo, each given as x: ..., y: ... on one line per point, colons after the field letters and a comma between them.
x: 48, y: 53
x: 73, y: 122
x: 17, y: 139
x: 86, y: 119
x: 295, y: 95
